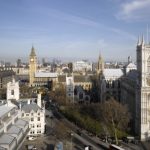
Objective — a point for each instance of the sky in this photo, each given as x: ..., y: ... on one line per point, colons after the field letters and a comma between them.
x: 79, y: 29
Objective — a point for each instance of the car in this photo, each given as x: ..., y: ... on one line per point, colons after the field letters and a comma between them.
x: 79, y: 132
x: 124, y: 139
x: 31, y: 138
x: 31, y: 147
x: 88, y: 147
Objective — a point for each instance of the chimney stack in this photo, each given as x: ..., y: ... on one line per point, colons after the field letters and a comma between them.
x: 39, y: 103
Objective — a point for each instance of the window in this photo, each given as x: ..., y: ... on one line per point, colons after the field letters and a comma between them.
x: 39, y: 125
x: 38, y: 118
x: 81, y: 95
x: 12, y: 92
x: 27, y: 114
x: 148, y: 65
x: 113, y: 84
x: 32, y: 119
x: 39, y: 131
x: 22, y: 114
x: 31, y: 114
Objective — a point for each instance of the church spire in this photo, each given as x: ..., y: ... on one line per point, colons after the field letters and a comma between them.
x: 100, y: 65
x: 32, y: 51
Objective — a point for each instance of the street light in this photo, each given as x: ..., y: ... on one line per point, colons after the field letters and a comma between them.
x: 51, y: 121
x: 71, y: 140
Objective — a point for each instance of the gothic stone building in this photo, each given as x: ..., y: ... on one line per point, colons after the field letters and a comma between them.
x: 134, y: 89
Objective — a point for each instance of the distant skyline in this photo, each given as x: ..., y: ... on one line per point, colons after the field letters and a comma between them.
x: 72, y: 28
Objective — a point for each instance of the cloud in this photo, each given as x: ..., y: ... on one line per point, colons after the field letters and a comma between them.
x: 123, y: 33
x: 134, y: 10
x: 87, y: 22
x: 72, y: 18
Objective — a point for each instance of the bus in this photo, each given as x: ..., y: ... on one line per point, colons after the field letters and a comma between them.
x: 115, y: 147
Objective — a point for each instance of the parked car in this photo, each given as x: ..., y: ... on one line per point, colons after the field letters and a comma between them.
x: 31, y: 138
x: 31, y: 147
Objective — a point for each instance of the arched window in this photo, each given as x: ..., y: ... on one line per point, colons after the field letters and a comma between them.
x: 81, y: 95
x: 148, y: 65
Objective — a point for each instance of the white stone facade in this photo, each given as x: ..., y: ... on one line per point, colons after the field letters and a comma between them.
x: 143, y: 91
x: 36, y: 117
x: 13, y: 90
x: 70, y: 87
x: 82, y: 66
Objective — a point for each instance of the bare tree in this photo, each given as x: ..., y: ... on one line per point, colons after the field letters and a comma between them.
x: 115, y: 116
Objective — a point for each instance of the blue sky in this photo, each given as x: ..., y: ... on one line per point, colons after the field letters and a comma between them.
x: 72, y: 28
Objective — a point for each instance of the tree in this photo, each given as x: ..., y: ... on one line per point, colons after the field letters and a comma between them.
x: 3, y: 93
x: 61, y: 130
x: 115, y: 116
x: 59, y: 95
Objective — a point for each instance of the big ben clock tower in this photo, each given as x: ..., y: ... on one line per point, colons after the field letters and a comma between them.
x: 32, y: 66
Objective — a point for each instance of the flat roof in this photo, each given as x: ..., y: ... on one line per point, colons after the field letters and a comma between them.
x: 14, y: 130
x: 6, y: 139
x: 113, y: 72
x: 2, y: 148
x: 4, y: 110
x: 21, y: 122
x: 46, y: 75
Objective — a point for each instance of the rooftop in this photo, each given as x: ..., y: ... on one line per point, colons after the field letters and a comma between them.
x: 46, y: 74
x: 14, y: 130
x: 4, y: 110
x: 77, y: 78
x: 6, y: 139
x: 29, y: 107
x: 21, y: 122
x: 113, y: 72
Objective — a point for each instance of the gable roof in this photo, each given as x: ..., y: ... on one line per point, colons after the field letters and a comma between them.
x: 29, y: 107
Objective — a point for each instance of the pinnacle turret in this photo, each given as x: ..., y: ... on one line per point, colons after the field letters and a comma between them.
x: 32, y: 52
x: 142, y: 41
x: 139, y: 41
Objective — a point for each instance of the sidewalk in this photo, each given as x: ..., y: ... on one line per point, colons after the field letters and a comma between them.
x: 146, y: 145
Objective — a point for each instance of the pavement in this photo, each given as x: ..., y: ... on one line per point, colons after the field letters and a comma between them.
x: 146, y: 145
x: 86, y: 142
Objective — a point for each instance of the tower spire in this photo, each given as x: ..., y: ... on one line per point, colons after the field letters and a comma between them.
x: 32, y: 51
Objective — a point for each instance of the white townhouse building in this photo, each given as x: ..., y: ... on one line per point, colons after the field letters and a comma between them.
x: 35, y: 114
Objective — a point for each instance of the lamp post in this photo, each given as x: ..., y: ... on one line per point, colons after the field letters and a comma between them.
x: 71, y: 140
x: 51, y: 121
